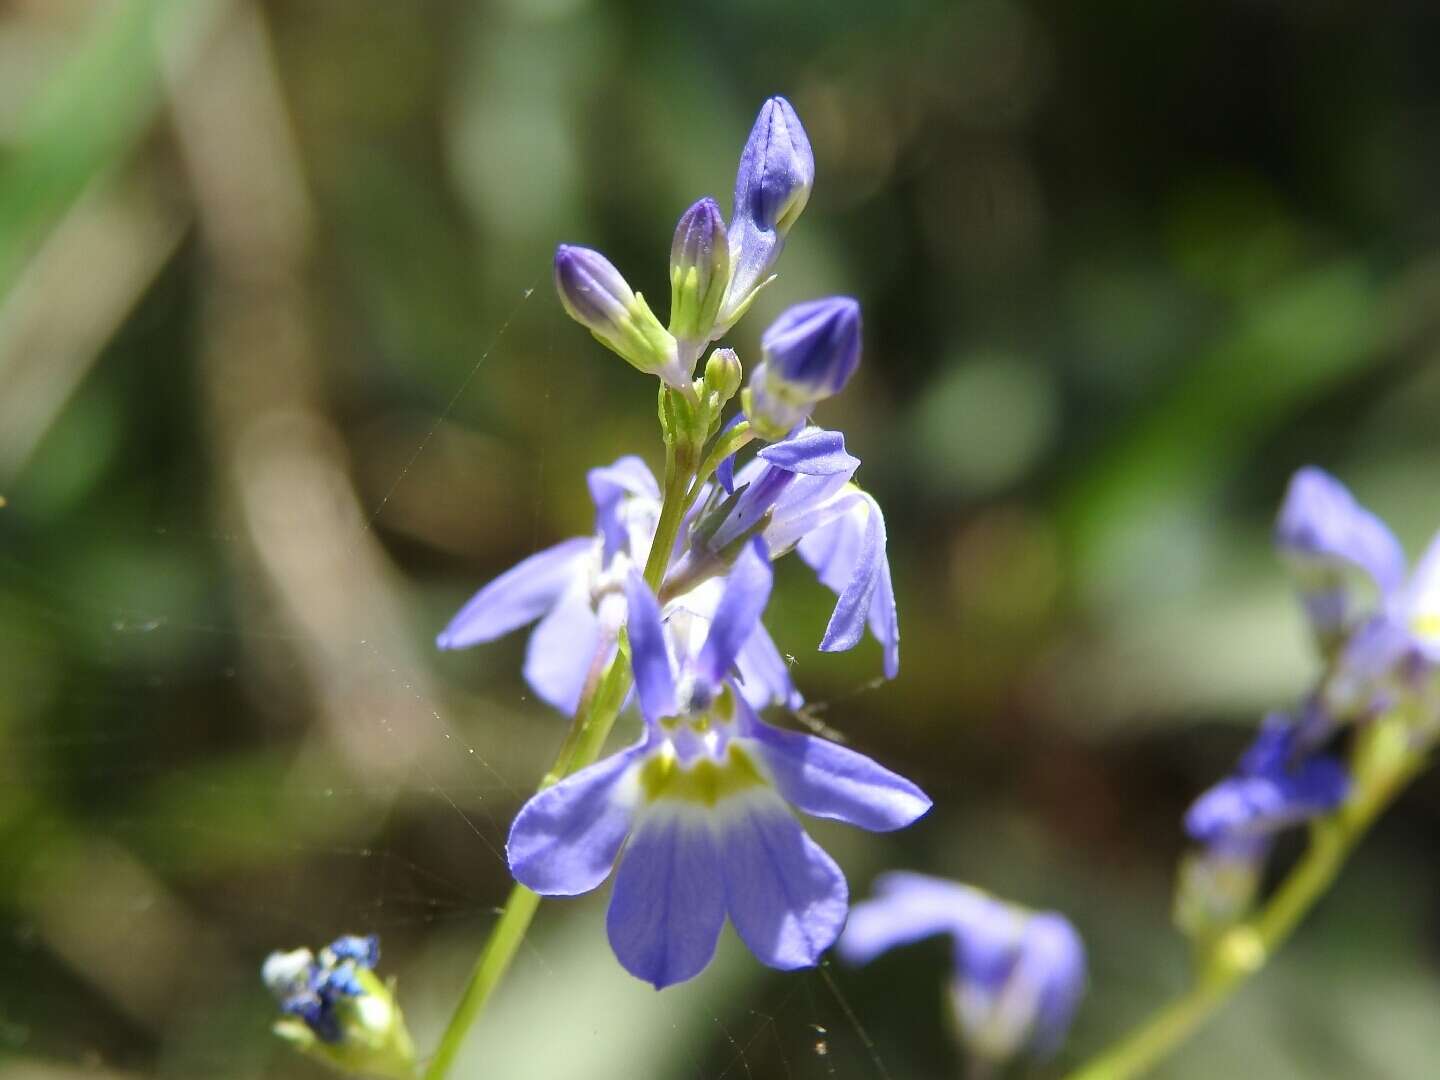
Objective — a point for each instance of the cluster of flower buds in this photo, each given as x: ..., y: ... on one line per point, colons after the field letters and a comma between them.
x: 1019, y: 975
x: 716, y: 271
x: 1378, y: 630
x: 338, y: 1011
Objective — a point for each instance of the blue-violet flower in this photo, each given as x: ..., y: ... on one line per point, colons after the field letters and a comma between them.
x: 699, y: 805
x: 337, y: 1010
x: 1019, y: 974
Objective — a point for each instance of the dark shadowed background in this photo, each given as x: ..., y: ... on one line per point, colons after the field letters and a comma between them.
x: 283, y: 380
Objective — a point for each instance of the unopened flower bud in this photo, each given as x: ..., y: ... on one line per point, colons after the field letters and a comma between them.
x: 699, y: 271
x: 723, y: 373
x: 772, y: 186
x: 810, y: 352
x: 597, y: 296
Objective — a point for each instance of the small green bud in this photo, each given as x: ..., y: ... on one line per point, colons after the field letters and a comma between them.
x: 723, y: 374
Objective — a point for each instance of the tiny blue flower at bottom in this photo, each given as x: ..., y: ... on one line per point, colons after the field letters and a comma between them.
x: 699, y: 806
x: 1019, y: 974
x: 337, y: 1010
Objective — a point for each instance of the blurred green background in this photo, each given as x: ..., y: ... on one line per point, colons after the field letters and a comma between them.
x: 282, y: 380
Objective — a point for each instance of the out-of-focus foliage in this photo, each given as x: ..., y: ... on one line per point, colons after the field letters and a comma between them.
x: 282, y: 379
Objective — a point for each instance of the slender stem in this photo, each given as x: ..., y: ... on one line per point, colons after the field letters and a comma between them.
x: 500, y: 949
x: 593, y: 722
x: 1382, y: 769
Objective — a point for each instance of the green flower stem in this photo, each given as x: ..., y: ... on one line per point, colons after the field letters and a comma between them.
x: 593, y: 722
x: 1384, y: 763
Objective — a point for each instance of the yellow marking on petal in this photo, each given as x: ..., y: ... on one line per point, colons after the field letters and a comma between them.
x: 705, y: 783
x: 1426, y: 625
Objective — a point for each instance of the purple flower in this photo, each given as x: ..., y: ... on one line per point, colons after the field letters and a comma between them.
x: 699, y: 805
x: 810, y: 352
x: 772, y: 186
x: 335, y: 1008
x: 1019, y: 975
x: 1331, y: 540
x: 798, y: 494
x: 1277, y: 784
x: 1382, y: 627
x: 597, y: 296
x: 576, y: 591
x: 314, y: 989
x: 699, y: 272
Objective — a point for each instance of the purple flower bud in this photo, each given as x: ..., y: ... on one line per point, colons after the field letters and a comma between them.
x: 810, y: 353
x: 777, y: 169
x: 772, y: 186
x: 699, y: 271
x: 597, y: 296
x: 593, y: 292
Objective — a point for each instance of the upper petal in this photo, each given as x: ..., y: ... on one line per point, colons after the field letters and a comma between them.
x: 565, y: 839
x: 519, y: 596
x: 786, y: 896
x: 610, y: 487
x: 1342, y: 555
x: 747, y: 590
x: 831, y: 781
x: 813, y: 452
x: 1321, y: 519
x: 654, y: 680
x: 562, y: 649
x: 669, y: 901
x: 908, y: 907
x: 848, y: 554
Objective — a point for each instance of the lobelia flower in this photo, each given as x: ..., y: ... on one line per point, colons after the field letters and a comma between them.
x: 798, y: 494
x: 809, y: 354
x: 699, y: 806
x: 1381, y: 627
x: 338, y: 1011
x: 1019, y: 974
x: 1275, y: 785
x: 772, y: 186
x: 1278, y: 783
x: 597, y: 296
x: 576, y: 591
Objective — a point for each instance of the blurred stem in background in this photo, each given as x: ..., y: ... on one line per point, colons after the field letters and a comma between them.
x: 1385, y: 761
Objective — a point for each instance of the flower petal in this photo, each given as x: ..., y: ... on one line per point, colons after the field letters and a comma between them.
x: 786, y: 896
x: 813, y: 452
x: 519, y: 596
x: 565, y: 839
x: 831, y: 781
x: 669, y: 901
x: 1052, y: 960
x: 562, y: 650
x: 907, y: 908
x: 1421, y: 602
x: 764, y: 676
x: 654, y: 681
x: 848, y: 554
x: 1328, y: 537
x: 610, y: 486
x: 747, y: 590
